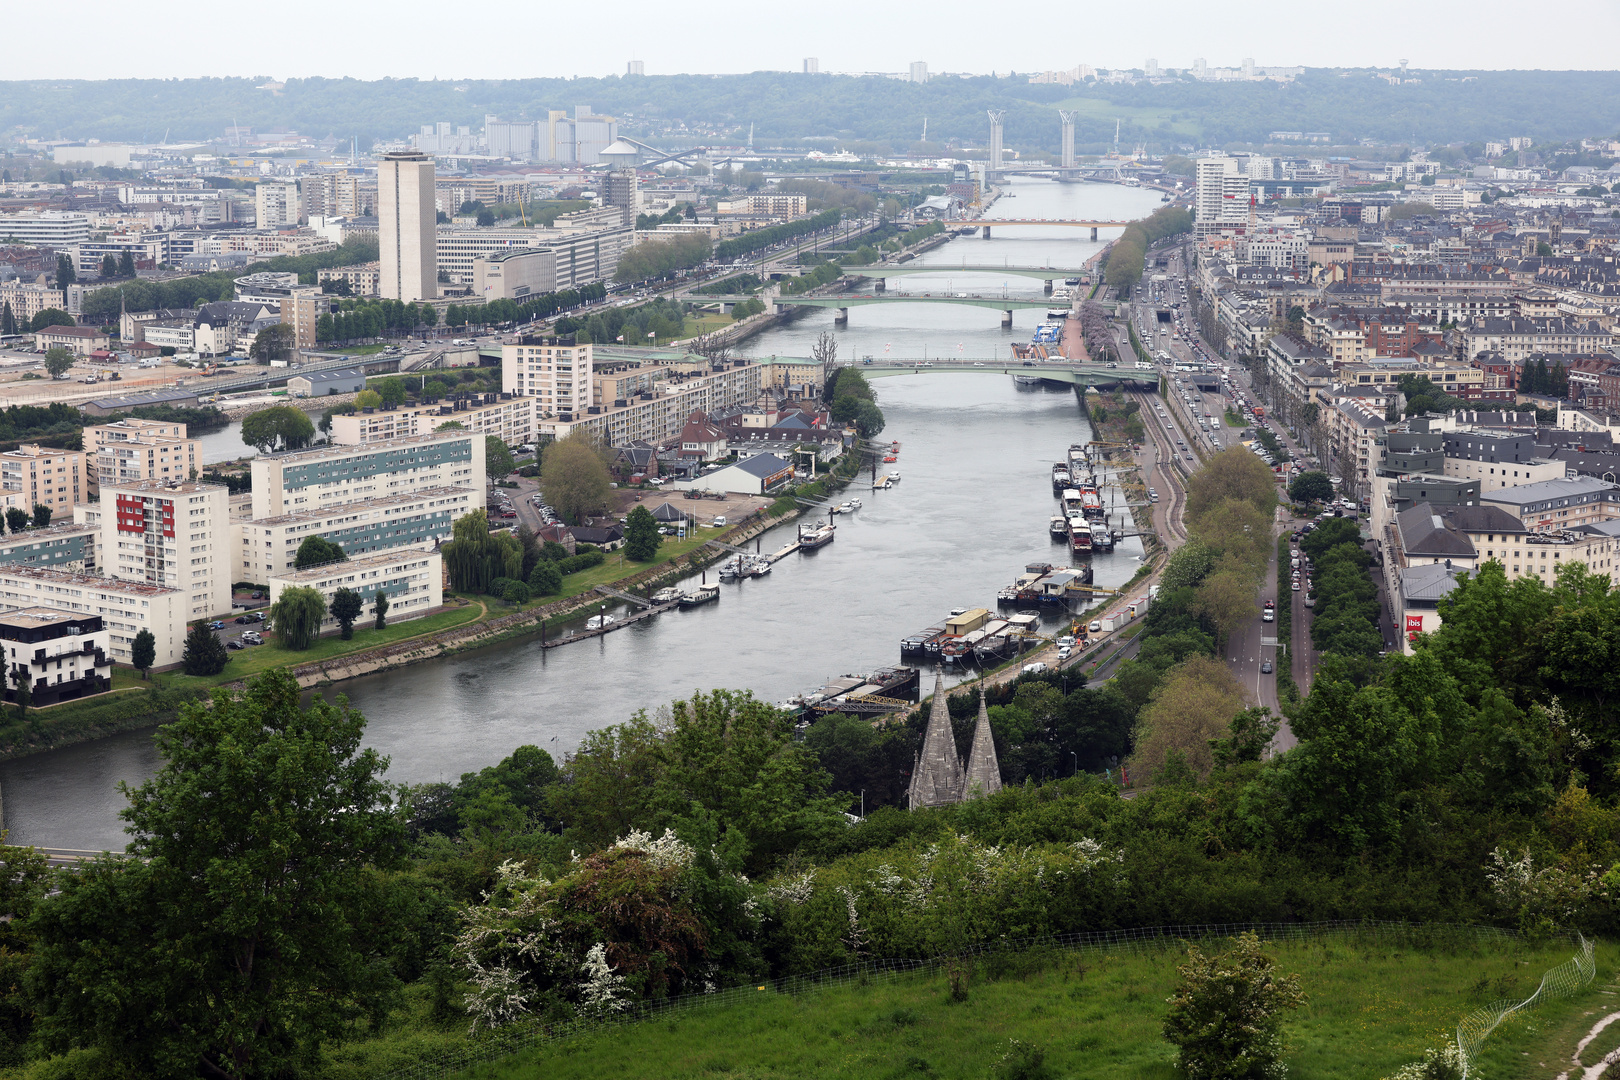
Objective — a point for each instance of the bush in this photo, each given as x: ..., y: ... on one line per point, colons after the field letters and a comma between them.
x: 1226, y: 1016
x: 575, y: 563
x: 545, y: 579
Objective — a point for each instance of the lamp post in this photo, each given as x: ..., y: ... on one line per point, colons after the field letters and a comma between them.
x: 1076, y: 755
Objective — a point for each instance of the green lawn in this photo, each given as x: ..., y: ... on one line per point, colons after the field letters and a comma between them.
x: 253, y: 660
x: 362, y: 350
x: 1370, y: 1010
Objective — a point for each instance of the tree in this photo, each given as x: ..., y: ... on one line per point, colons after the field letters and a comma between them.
x: 280, y: 427
x: 8, y: 321
x: 204, y: 654
x: 22, y: 681
x: 475, y: 558
x: 1193, y: 705
x: 573, y: 475
x: 1226, y: 1016
x: 274, y: 342
x: 65, y: 274
x: 641, y: 539
x: 392, y: 391
x: 57, y: 361
x: 42, y: 516
x: 380, y: 609
x: 238, y: 927
x: 498, y: 460
x: 368, y: 399
x: 825, y: 353
x: 545, y: 579
x: 126, y: 263
x: 16, y: 519
x: 1311, y: 487
x: 109, y: 266
x: 51, y: 317
x: 1544, y: 250
x: 298, y: 613
x: 516, y: 592
x: 317, y: 551
x: 143, y: 652
x: 346, y: 607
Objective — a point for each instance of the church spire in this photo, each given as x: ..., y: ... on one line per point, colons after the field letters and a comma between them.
x: 937, y: 778
x: 983, y: 771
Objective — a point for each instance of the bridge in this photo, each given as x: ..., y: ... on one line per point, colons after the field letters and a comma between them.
x: 843, y: 302
x: 1048, y: 274
x: 986, y: 223
x: 1063, y: 371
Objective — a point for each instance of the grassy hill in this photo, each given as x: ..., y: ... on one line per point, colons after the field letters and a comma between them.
x: 1372, y: 1008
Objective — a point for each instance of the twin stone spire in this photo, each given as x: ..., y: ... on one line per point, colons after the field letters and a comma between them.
x: 938, y: 777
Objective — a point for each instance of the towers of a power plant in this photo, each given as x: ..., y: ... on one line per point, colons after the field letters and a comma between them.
x: 407, y: 235
x: 995, y: 139
x: 1068, y: 138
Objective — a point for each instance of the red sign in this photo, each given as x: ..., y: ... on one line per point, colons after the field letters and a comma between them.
x: 1414, y: 624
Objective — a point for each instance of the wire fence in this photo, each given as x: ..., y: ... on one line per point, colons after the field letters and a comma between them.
x: 503, y: 1042
x: 1560, y: 982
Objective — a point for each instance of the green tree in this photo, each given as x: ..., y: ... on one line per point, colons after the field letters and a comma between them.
x: 57, y: 361
x: 65, y: 274
x: 475, y: 558
x: 545, y: 579
x: 242, y: 929
x: 273, y: 343
x: 573, y: 475
x: 16, y: 519
x: 42, y: 516
x: 126, y: 263
x: 143, y: 652
x: 1544, y: 250
x: 379, y: 608
x: 298, y: 613
x: 204, y: 654
x: 8, y: 321
x: 641, y: 539
x: 109, y: 266
x: 1226, y: 1016
x: 317, y: 551
x: 280, y: 427
x: 347, y: 607
x: 51, y: 317
x: 368, y: 399
x: 1311, y: 487
x: 516, y: 592
x: 498, y: 460
x: 22, y: 682
x: 392, y: 391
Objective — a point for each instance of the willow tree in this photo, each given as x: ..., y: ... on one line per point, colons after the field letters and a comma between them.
x: 476, y: 557
x: 297, y: 615
x: 574, y: 476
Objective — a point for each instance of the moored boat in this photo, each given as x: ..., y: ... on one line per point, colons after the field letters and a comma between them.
x: 819, y: 536
x: 700, y: 595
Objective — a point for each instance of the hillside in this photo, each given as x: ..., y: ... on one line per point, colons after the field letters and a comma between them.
x: 1373, y: 1006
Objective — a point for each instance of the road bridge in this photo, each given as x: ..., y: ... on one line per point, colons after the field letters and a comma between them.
x: 1062, y: 371
x: 987, y: 223
x: 844, y: 301
x: 1048, y: 274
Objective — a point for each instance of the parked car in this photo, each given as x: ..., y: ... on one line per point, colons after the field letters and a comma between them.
x: 252, y: 637
x: 216, y: 625
x: 234, y: 644
x: 243, y: 619
x: 1096, y: 626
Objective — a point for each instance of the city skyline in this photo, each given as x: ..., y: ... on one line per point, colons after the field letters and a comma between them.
x: 1431, y: 36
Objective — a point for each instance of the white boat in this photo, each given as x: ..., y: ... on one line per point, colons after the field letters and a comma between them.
x: 846, y: 508
x: 856, y: 503
x: 665, y: 596
x: 894, y: 478
x: 600, y: 622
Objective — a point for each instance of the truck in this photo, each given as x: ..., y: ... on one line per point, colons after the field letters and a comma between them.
x: 1259, y: 412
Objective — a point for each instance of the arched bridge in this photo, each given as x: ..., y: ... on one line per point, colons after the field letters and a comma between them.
x: 1063, y: 371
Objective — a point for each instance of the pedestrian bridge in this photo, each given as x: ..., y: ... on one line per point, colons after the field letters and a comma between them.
x: 1063, y: 371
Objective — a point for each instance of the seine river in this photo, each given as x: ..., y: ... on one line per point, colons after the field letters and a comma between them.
x: 969, y: 513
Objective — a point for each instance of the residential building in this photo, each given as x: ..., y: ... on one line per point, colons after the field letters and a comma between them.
x: 1221, y: 196
x: 1452, y: 376
x: 508, y: 417
x: 126, y: 607
x: 701, y: 440
x: 262, y: 548
x: 1352, y: 430
x: 46, y: 476
x: 412, y: 578
x: 514, y: 274
x: 657, y: 416
x: 127, y: 451
x: 1498, y: 459
x: 69, y: 546
x: 318, y: 479
x: 919, y: 72
x: 55, y: 229
x: 363, y: 279
x: 62, y: 655
x: 407, y: 231
x: 555, y: 373
x: 172, y: 534
x: 302, y: 311
x: 1517, y: 338
x: 29, y: 298
x: 78, y: 340
x: 1553, y: 505
x: 579, y: 255
x: 278, y: 205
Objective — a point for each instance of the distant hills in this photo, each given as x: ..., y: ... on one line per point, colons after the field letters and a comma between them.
x: 1351, y: 105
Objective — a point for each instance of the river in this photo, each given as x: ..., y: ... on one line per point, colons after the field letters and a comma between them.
x: 969, y: 513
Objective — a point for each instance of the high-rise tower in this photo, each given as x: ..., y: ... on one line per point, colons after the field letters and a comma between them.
x: 407, y: 236
x: 995, y: 139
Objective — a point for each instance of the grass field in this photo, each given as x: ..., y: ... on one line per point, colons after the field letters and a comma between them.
x: 1370, y: 1010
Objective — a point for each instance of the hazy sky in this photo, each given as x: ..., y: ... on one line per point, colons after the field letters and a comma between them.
x: 504, y: 39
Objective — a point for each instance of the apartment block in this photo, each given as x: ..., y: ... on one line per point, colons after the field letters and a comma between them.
x: 508, y: 417
x: 556, y: 374
x: 362, y: 278
x: 264, y: 547
x: 319, y: 479
x: 413, y: 580
x: 658, y: 416
x: 69, y: 546
x: 175, y: 535
x: 28, y: 299
x: 62, y: 655
x: 46, y: 476
x: 127, y: 451
x: 126, y: 607
x: 278, y: 205
x: 1554, y: 505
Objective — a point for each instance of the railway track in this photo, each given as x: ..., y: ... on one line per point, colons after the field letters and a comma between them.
x: 1176, y: 493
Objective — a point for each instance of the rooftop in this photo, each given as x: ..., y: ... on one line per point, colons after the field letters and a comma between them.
x: 381, y: 561
x: 1566, y: 487
x: 37, y: 616
x: 90, y: 581
x: 331, y: 453
x: 162, y: 487
x: 382, y: 502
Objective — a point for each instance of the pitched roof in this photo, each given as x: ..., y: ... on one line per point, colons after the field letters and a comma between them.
x: 936, y: 779
x: 762, y: 465
x: 1425, y: 533
x: 983, y: 776
x: 1428, y: 582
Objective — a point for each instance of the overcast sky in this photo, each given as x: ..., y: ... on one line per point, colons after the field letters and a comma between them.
x: 506, y: 39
